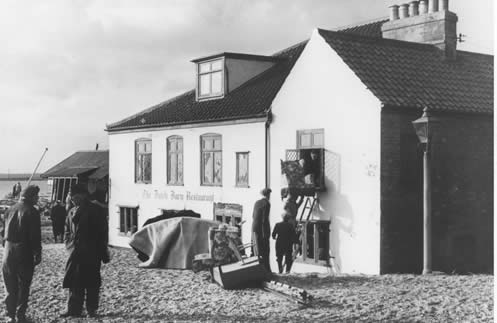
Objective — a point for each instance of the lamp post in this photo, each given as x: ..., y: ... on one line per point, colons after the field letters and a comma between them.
x: 424, y: 130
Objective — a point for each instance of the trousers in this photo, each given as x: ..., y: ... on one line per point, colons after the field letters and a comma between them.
x: 288, y: 260
x: 77, y: 298
x: 17, y: 270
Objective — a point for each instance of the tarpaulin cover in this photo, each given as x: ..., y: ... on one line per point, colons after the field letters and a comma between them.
x: 173, y: 243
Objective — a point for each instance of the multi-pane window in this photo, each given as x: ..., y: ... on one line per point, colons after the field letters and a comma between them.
x: 211, y: 163
x: 128, y: 220
x: 313, y: 138
x: 175, y: 160
x: 210, y: 79
x: 242, y: 169
x: 143, y: 161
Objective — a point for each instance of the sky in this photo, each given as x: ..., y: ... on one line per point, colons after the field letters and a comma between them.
x: 68, y: 68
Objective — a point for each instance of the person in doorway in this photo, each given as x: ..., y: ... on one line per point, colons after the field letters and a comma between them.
x: 58, y: 217
x: 261, y: 229
x: 284, y: 233
x: 86, y: 237
x: 22, y: 252
x: 312, y: 169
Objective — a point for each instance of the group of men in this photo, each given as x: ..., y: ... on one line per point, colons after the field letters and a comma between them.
x: 86, y: 239
x: 284, y: 232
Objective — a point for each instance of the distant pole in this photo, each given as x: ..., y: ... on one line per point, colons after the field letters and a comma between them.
x: 96, y: 146
x: 36, y: 168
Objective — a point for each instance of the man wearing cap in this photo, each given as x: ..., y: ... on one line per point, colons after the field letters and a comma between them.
x: 22, y: 252
x: 261, y: 230
x: 86, y: 237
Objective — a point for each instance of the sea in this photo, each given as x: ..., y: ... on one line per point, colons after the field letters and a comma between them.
x: 6, y: 187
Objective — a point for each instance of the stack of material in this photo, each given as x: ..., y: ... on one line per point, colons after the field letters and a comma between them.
x: 296, y: 294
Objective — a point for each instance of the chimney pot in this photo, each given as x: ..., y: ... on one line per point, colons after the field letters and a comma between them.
x: 403, y: 11
x: 423, y: 7
x: 443, y: 5
x: 394, y: 12
x: 413, y: 9
x: 432, y: 6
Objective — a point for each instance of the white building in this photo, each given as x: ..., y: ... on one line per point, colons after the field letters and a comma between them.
x: 352, y: 94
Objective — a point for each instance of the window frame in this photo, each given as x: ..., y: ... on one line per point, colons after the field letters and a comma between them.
x: 122, y: 210
x: 237, y: 173
x: 312, y: 132
x: 168, y: 166
x: 211, y: 95
x: 137, y: 154
x: 213, y: 151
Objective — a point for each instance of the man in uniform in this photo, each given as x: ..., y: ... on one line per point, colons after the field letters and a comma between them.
x: 86, y: 237
x: 22, y: 252
x: 261, y: 230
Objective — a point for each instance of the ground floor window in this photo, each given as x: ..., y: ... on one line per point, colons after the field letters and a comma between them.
x: 228, y: 213
x: 128, y: 220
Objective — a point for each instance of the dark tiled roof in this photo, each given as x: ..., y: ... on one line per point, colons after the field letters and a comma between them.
x: 93, y: 162
x: 406, y: 74
x: 372, y: 29
x: 252, y: 99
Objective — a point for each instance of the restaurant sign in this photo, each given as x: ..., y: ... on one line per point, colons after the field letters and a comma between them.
x: 176, y: 196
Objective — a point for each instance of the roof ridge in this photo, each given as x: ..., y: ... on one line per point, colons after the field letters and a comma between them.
x: 361, y: 24
x: 92, y: 151
x: 379, y: 41
x: 285, y: 50
x: 475, y: 53
x: 158, y: 105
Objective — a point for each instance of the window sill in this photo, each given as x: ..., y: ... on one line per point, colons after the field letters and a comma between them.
x: 143, y: 182
x: 242, y: 186
x: 122, y: 234
x: 212, y: 185
x: 175, y: 184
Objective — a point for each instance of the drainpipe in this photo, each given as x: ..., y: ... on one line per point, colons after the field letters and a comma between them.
x: 268, y: 148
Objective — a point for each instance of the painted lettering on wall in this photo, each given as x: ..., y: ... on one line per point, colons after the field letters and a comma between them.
x: 176, y: 196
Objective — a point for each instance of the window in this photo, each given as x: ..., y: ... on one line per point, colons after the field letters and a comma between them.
x: 143, y: 161
x: 313, y: 138
x: 211, y: 163
x: 128, y: 220
x: 210, y: 79
x: 242, y: 170
x: 175, y: 160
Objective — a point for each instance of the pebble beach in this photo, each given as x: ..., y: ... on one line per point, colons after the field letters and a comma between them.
x: 132, y: 294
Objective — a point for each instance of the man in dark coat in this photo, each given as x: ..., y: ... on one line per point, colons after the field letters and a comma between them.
x: 22, y: 252
x: 58, y: 217
x: 86, y: 238
x: 261, y: 230
x: 284, y: 233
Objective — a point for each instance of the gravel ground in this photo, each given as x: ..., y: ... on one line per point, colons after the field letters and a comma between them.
x: 131, y: 294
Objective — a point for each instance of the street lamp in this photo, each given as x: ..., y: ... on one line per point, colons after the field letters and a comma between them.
x: 424, y: 128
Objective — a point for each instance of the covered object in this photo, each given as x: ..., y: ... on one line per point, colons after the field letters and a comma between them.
x: 173, y: 243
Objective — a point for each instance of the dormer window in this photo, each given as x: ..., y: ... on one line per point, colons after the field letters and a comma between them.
x: 210, y: 80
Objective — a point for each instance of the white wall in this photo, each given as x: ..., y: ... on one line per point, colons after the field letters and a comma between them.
x: 322, y: 92
x: 152, y: 197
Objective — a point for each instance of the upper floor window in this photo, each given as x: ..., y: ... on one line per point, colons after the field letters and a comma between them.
x: 210, y: 79
x: 143, y: 161
x: 175, y: 160
x: 211, y: 155
x: 313, y: 138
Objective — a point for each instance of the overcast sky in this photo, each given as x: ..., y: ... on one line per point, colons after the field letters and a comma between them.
x: 68, y: 68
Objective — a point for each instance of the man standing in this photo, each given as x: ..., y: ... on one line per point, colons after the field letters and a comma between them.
x: 261, y: 230
x: 86, y: 237
x: 22, y: 252
x: 58, y: 217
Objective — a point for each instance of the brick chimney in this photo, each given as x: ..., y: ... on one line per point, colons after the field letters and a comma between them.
x: 424, y: 21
